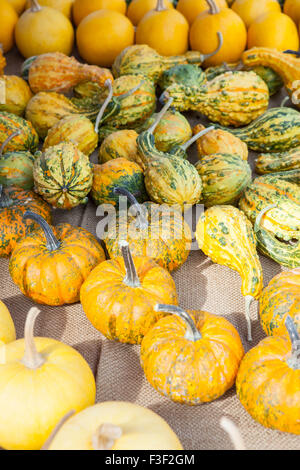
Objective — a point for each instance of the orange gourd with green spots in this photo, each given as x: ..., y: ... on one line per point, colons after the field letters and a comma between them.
x: 26, y: 137
x: 279, y: 299
x: 50, y: 264
x: 191, y: 357
x: 119, y: 296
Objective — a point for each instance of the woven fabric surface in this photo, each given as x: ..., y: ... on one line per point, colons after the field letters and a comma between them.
x: 201, y: 285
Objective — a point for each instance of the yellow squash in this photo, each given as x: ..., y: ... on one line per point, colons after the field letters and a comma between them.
x: 7, y: 328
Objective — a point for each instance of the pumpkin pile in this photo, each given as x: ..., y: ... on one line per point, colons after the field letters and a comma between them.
x: 198, y: 56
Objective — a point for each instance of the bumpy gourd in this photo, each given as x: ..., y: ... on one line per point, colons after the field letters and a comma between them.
x: 226, y: 236
x: 184, y: 74
x: 58, y: 72
x: 153, y: 230
x: 119, y: 144
x: 50, y: 264
x: 63, y: 176
x: 16, y: 168
x: 123, y: 308
x: 25, y: 138
x: 268, y: 381
x: 274, y: 162
x: 182, y: 358
x: 277, y: 130
x: 16, y: 94
x: 231, y: 99
x: 272, y: 205
x: 286, y: 65
x: 142, y: 59
x: 280, y: 298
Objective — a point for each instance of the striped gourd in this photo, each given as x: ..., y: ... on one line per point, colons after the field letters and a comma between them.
x: 63, y: 176
x: 274, y: 162
x: 277, y: 130
x: 16, y: 168
x: 231, y: 99
x: 26, y: 137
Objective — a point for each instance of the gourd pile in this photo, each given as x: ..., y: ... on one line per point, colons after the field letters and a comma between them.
x: 56, y: 114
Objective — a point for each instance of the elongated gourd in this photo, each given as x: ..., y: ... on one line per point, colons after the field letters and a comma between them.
x: 277, y: 162
x: 142, y: 59
x: 231, y: 99
x: 226, y: 236
x: 277, y: 130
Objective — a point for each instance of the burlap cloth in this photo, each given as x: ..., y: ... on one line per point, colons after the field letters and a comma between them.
x: 201, y: 285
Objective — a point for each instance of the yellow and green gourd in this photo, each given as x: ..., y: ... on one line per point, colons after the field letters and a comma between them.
x: 225, y: 235
x: 275, y: 162
x: 26, y: 139
x: 186, y: 74
x: 16, y: 167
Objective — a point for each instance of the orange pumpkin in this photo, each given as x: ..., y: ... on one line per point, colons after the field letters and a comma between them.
x: 203, y: 34
x: 119, y: 296
x: 191, y: 357
x: 8, y: 21
x: 249, y: 10
x: 273, y: 30
x: 268, y: 381
x: 137, y: 9
x: 192, y: 8
x: 279, y: 299
x: 82, y: 8
x: 165, y: 30
x: 50, y: 264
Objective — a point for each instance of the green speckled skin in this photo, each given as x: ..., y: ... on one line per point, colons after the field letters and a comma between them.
x: 16, y: 169
x: 26, y: 140
x: 187, y: 74
x: 278, y: 162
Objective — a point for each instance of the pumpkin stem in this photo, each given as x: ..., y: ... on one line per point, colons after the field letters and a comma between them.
x: 196, y: 137
x: 248, y: 301
x: 105, y: 436
x: 32, y: 359
x: 131, y: 92
x: 35, y: 6
x: 233, y: 432
x: 260, y: 216
x: 220, y: 45
x: 131, y: 279
x: 6, y: 142
x: 213, y: 7
x: 51, y: 241
x: 160, y: 115
x: 57, y: 428
x: 294, y: 360
x: 5, y: 200
x: 160, y: 6
x: 141, y: 219
x: 107, y: 84
x: 192, y: 333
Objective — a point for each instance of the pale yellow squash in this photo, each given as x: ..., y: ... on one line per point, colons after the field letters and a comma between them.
x: 7, y: 327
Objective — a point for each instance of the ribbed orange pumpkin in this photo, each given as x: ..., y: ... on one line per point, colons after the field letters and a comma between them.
x: 279, y: 299
x: 203, y: 34
x: 50, y: 264
x: 165, y: 30
x: 119, y: 296
x: 191, y: 357
x: 192, y: 8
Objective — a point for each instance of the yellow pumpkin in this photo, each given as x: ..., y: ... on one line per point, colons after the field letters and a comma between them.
x: 18, y: 5
x: 40, y: 380
x: 137, y: 9
x: 7, y: 327
x: 192, y: 8
x: 114, y: 425
x: 273, y: 30
x: 203, y: 34
x: 8, y: 21
x: 165, y: 30
x: 43, y: 29
x: 83, y: 8
x: 249, y: 10
x: 102, y: 36
x: 17, y: 95
x: 64, y: 6
x: 292, y: 9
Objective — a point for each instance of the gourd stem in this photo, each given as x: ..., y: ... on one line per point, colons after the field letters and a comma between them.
x: 5, y: 200
x: 220, y: 45
x: 142, y: 221
x: 35, y: 6
x: 131, y: 279
x: 248, y: 301
x: 196, y: 137
x: 130, y: 92
x: 160, y: 6
x: 51, y: 241
x: 160, y: 115
x: 284, y: 101
x: 108, y: 84
x: 105, y: 436
x: 233, y: 432
x: 213, y: 7
x: 260, y: 216
x: 239, y: 67
x: 32, y: 359
x: 6, y: 142
x: 294, y: 360
x: 289, y: 51
x: 57, y: 428
x: 192, y: 334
